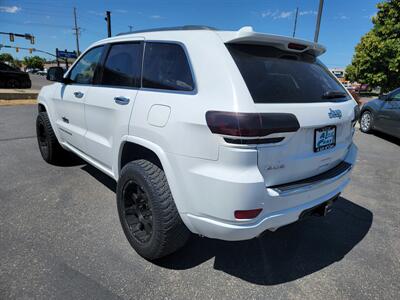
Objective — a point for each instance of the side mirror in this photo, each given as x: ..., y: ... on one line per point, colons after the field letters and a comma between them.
x: 55, y: 74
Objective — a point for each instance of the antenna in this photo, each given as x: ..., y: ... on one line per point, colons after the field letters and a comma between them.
x: 295, y: 21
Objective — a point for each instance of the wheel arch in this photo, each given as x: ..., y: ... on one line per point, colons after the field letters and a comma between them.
x: 157, y: 155
x: 130, y: 151
x: 369, y: 109
x: 41, y: 107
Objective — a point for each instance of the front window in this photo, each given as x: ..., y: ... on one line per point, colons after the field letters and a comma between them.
x: 276, y: 76
x: 83, y: 71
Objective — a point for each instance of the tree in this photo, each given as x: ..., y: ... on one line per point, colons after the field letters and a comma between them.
x: 377, y: 57
x: 6, y: 57
x: 34, y: 62
x: 16, y: 63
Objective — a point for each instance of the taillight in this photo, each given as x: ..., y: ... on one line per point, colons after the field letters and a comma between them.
x: 250, y: 124
x: 247, y: 214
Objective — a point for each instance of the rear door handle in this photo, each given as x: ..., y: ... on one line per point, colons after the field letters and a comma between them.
x: 78, y: 94
x: 121, y: 100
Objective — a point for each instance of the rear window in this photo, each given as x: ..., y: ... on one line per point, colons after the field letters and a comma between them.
x: 166, y: 67
x: 275, y: 76
x: 4, y: 67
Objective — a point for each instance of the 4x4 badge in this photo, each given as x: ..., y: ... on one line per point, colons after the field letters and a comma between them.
x: 335, y: 113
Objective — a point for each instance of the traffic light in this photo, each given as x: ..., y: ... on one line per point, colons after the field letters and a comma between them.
x: 30, y: 50
x: 32, y: 39
x: 16, y: 49
x: 11, y: 37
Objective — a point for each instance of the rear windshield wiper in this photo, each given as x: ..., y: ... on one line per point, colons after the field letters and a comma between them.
x: 333, y: 94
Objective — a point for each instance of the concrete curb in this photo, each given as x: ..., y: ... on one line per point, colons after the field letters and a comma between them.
x: 15, y: 94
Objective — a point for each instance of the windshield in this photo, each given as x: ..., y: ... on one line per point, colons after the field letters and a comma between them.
x: 275, y: 76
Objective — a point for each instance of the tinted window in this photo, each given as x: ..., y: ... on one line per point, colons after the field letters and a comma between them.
x: 396, y: 96
x: 276, y: 76
x: 123, y: 65
x: 83, y: 71
x: 166, y: 67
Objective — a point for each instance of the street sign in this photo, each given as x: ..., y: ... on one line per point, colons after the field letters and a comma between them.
x: 66, y: 54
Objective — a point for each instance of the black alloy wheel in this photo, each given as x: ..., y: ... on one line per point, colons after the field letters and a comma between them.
x: 137, y: 212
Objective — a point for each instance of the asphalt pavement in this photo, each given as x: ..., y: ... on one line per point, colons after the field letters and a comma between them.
x: 38, y: 81
x: 60, y: 236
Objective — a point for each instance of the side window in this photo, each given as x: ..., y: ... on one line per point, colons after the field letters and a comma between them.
x: 123, y: 65
x: 166, y: 67
x: 5, y: 67
x: 396, y: 96
x: 83, y: 71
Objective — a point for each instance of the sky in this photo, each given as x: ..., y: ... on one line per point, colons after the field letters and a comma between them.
x: 343, y: 22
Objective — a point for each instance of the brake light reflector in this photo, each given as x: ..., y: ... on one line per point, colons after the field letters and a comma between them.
x: 247, y: 214
x: 250, y: 124
x: 356, y: 113
x: 295, y: 46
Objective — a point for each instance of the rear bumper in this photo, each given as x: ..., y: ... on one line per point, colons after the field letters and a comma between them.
x: 281, y: 205
x: 237, y: 232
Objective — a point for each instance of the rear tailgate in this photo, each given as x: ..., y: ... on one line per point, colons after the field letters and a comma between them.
x: 282, y: 80
x: 294, y: 158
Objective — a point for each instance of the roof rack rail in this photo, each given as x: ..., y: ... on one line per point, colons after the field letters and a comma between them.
x: 185, y: 27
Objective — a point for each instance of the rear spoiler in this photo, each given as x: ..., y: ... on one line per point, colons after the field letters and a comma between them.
x: 246, y: 35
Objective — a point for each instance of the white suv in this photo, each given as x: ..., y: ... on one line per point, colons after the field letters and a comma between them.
x: 225, y: 134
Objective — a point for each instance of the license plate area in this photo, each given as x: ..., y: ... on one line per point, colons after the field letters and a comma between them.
x: 324, y: 138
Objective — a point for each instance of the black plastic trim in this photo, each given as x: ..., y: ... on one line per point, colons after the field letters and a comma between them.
x: 339, y: 169
x: 179, y: 28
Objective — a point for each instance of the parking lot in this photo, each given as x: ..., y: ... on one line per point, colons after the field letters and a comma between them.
x: 60, y: 236
x: 38, y: 81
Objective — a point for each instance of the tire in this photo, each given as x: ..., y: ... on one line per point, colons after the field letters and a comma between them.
x: 13, y: 84
x: 147, y: 211
x: 50, y: 149
x: 366, y: 122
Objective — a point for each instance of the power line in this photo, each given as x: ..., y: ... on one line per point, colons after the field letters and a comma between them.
x: 29, y: 49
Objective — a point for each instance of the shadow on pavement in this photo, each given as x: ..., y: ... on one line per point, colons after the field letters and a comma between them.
x: 70, y: 160
x: 100, y: 176
x: 292, y: 252
x: 387, y: 137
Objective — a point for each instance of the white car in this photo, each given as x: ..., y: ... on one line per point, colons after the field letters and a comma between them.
x: 225, y: 134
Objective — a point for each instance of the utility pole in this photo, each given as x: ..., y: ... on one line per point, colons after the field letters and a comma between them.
x: 108, y: 20
x: 321, y: 5
x: 295, y: 21
x: 66, y: 61
x: 130, y: 28
x: 77, y: 32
